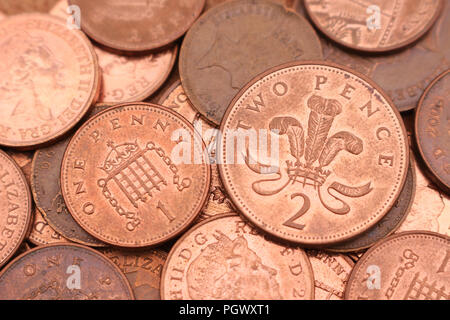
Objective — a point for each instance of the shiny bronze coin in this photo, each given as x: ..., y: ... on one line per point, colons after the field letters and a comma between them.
x: 430, y: 210
x: 15, y: 204
x: 334, y: 146
x: 140, y: 25
x: 142, y: 269
x: 12, y: 7
x: 128, y: 78
x: 63, y: 272
x: 407, y: 266
x: 23, y: 160
x: 331, y: 272
x: 217, y: 58
x: 42, y: 233
x: 388, y: 224
x: 374, y: 26
x: 433, y: 129
x: 145, y: 183
x: 50, y: 78
x: 224, y: 258
x: 175, y: 99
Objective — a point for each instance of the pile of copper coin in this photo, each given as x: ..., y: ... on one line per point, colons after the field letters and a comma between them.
x: 225, y: 150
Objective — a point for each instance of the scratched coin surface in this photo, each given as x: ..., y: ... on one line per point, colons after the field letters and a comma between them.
x: 63, y: 272
x: 140, y: 25
x: 407, y: 266
x: 388, y: 224
x: 142, y: 269
x: 41, y: 232
x: 423, y: 62
x: 175, y: 99
x: 331, y: 272
x: 217, y: 59
x: 15, y: 204
x: 49, y: 79
x: 432, y: 127
x: 374, y: 26
x: 224, y: 258
x: 334, y: 146
x: 147, y: 180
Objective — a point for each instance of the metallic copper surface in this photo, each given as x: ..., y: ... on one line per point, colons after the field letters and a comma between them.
x: 175, y: 99
x: 374, y: 25
x: 389, y: 223
x: 407, y: 266
x: 212, y: 3
x: 128, y: 78
x: 217, y: 59
x: 12, y: 7
x: 49, y: 79
x: 42, y: 233
x: 432, y: 127
x: 431, y: 207
x: 137, y: 189
x: 224, y: 258
x: 63, y: 272
x: 422, y: 63
x: 331, y: 272
x: 140, y: 25
x: 15, y: 206
x: 342, y: 149
x: 142, y: 269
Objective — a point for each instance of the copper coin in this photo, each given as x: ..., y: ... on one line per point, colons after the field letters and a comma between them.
x: 42, y: 233
x: 63, y: 272
x: 212, y: 3
x: 217, y: 59
x: 388, y: 224
x: 331, y: 272
x: 12, y: 7
x: 140, y: 187
x: 224, y: 258
x: 407, y: 266
x: 175, y: 99
x: 430, y: 210
x: 423, y: 62
x: 339, y: 147
x: 138, y: 26
x: 142, y: 269
x: 50, y: 78
x: 15, y: 204
x: 128, y: 78
x: 433, y: 128
x: 374, y: 26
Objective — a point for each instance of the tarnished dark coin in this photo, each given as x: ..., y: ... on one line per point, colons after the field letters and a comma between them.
x: 225, y: 258
x: 139, y: 25
x: 42, y: 233
x: 389, y: 223
x: 342, y: 148
x: 217, y: 58
x: 15, y: 207
x: 142, y: 269
x: 145, y: 183
x: 408, y: 266
x: 423, y: 62
x: 63, y: 272
x: 433, y: 129
x: 374, y: 26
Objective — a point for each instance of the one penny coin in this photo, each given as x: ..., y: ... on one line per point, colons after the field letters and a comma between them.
x: 128, y: 78
x: 217, y: 59
x: 224, y: 258
x: 63, y: 272
x: 374, y: 26
x: 334, y: 146
x: 389, y: 223
x: 42, y: 233
x: 145, y: 183
x: 142, y: 269
x: 433, y: 129
x: 50, y: 79
x: 12, y: 7
x: 137, y: 26
x: 407, y: 266
x: 15, y: 204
